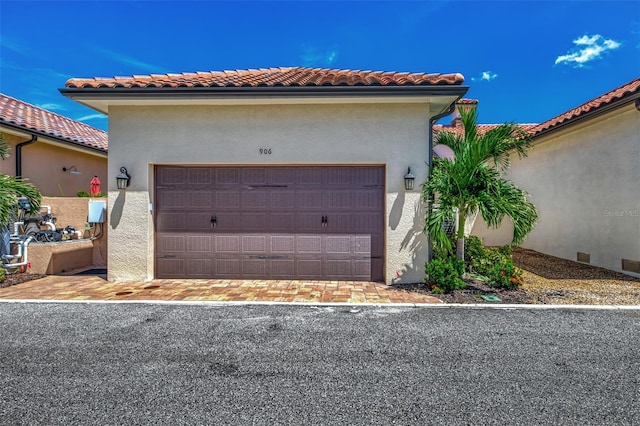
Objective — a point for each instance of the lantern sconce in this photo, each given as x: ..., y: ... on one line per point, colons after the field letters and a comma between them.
x: 123, y: 178
x: 72, y: 170
x: 409, y: 178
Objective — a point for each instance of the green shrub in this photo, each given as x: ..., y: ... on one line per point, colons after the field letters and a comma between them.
x: 480, y: 260
x: 445, y: 274
x: 505, y: 275
x: 2, y: 275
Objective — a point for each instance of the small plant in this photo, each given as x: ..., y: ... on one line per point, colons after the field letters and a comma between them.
x: 86, y: 194
x: 3, y: 275
x: 445, y: 275
x: 506, y: 275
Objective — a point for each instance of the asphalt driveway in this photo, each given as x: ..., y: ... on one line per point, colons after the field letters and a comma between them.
x: 171, y: 364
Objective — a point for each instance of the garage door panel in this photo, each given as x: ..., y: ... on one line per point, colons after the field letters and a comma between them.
x: 227, y: 200
x: 198, y: 221
x: 340, y: 223
x: 228, y: 244
x: 336, y: 269
x: 309, y: 244
x: 227, y: 268
x: 171, y: 243
x: 254, y: 244
x: 199, y: 243
x: 368, y: 199
x: 225, y: 222
x: 199, y: 268
x: 282, y: 222
x: 280, y: 200
x: 368, y: 222
x: 199, y: 176
x: 308, y: 223
x: 338, y: 245
x: 172, y: 176
x: 284, y: 269
x: 226, y: 176
x: 171, y: 221
x: 310, y: 269
x: 171, y: 199
x: 170, y: 267
x: 283, y: 244
x: 199, y: 200
x: 309, y: 200
x: 337, y: 199
x: 254, y: 176
x: 254, y: 268
x: 309, y: 176
x: 251, y: 222
x: 254, y: 200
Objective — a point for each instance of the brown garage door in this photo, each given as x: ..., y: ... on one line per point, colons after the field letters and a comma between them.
x: 323, y: 223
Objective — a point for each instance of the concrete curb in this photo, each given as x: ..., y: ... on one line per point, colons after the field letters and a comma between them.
x: 334, y: 304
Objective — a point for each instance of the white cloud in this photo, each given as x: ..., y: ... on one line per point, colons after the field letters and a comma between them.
x: 51, y: 106
x: 315, y: 57
x: 91, y: 117
x: 587, y: 49
x: 485, y: 76
x: 14, y: 46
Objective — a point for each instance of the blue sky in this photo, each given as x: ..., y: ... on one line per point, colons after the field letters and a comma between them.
x: 524, y: 61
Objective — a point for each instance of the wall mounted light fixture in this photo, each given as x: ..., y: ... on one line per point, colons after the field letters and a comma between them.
x: 72, y: 170
x: 122, y: 179
x: 409, y: 178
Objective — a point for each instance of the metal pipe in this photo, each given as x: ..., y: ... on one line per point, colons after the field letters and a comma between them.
x: 25, y: 246
x: 33, y: 139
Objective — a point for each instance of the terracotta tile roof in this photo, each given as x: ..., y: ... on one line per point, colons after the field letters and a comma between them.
x: 20, y: 114
x: 482, y: 128
x: 624, y: 91
x: 269, y: 77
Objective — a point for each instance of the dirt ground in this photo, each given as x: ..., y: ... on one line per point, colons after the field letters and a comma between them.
x: 547, y: 280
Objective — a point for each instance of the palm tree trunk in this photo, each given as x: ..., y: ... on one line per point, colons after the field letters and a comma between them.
x: 460, y: 243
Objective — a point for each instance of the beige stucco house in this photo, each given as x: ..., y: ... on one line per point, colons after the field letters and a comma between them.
x: 58, y: 155
x: 583, y: 175
x: 282, y: 173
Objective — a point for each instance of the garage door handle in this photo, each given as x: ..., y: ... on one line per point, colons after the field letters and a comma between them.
x: 325, y: 220
x: 214, y: 221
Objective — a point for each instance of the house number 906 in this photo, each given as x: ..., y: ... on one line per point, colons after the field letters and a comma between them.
x: 265, y: 151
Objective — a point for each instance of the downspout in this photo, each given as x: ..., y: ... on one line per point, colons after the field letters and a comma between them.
x: 432, y: 122
x: 33, y: 139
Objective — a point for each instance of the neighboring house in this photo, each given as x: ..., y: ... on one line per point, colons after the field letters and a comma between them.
x: 583, y: 174
x: 282, y: 173
x: 58, y: 155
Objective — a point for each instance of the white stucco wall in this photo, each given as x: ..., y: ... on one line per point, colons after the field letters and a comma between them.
x: 585, y: 182
x: 395, y: 135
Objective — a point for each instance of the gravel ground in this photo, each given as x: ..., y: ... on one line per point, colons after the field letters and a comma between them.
x: 547, y: 280
x: 551, y: 280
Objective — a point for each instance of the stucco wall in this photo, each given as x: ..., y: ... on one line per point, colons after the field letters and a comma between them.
x: 585, y: 182
x: 139, y: 137
x: 42, y: 164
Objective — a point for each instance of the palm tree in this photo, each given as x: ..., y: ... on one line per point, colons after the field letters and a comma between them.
x: 473, y: 182
x: 11, y: 188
